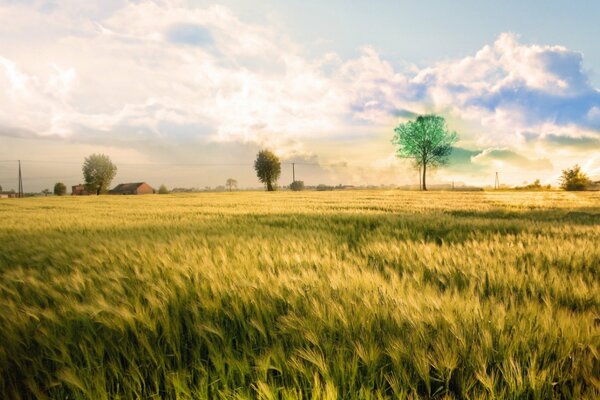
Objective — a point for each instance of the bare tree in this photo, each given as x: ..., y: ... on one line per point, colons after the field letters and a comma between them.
x: 231, y: 184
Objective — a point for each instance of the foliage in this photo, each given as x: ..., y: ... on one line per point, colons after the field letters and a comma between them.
x: 427, y: 141
x: 163, y: 189
x: 268, y: 168
x: 98, y: 173
x: 297, y: 186
x: 536, y: 185
x: 231, y: 184
x: 574, y: 179
x: 322, y: 187
x: 346, y: 294
x: 46, y: 192
x: 60, y: 189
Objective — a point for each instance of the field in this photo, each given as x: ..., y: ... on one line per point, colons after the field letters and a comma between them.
x: 323, y: 295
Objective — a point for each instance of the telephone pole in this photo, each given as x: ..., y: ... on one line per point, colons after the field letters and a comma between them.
x: 293, y: 172
x: 20, y: 194
x: 497, y: 183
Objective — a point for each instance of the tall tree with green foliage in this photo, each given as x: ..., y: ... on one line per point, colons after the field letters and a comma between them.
x: 427, y: 141
x: 573, y: 179
x: 98, y: 173
x: 60, y: 189
x: 268, y: 168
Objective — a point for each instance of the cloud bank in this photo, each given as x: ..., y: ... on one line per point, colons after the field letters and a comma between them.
x: 168, y: 81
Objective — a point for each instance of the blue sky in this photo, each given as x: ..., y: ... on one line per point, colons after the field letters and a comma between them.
x: 183, y: 82
x: 424, y: 32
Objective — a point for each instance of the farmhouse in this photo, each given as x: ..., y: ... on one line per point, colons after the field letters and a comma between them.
x: 132, y: 188
x: 79, y: 190
x: 6, y: 195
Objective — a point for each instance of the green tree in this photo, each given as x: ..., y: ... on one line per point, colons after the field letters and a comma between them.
x: 163, y: 190
x: 231, y: 184
x: 98, y: 172
x: 60, y: 189
x: 427, y: 141
x: 46, y: 192
x: 268, y: 168
x: 297, y: 186
x: 574, y: 179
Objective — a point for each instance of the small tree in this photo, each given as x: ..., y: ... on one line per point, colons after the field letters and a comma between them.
x: 574, y: 179
x: 297, y: 186
x: 268, y: 168
x: 231, y: 184
x: 46, y: 192
x: 163, y: 190
x: 60, y: 189
x: 427, y: 141
x: 98, y: 172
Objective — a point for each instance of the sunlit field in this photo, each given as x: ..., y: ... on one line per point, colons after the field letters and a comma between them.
x: 324, y: 295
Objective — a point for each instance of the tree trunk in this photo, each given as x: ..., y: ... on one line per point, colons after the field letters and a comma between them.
x: 424, y: 176
x: 420, y: 178
x: 269, y: 186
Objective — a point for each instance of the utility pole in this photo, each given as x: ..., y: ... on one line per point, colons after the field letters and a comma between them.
x: 20, y: 194
x: 452, y: 185
x: 497, y: 183
x: 293, y: 172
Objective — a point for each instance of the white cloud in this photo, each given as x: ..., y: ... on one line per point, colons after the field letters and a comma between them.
x: 153, y: 74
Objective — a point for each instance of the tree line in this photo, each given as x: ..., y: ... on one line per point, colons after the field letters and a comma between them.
x: 426, y: 141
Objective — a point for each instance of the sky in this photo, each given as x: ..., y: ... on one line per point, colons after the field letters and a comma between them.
x: 186, y: 93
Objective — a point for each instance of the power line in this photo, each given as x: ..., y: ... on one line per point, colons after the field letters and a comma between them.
x: 338, y: 165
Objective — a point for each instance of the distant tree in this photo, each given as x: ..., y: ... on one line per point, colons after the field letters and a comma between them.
x: 163, y: 190
x: 46, y: 192
x: 268, y: 168
x: 0, y: 188
x: 297, y: 186
x: 60, y: 189
x: 98, y: 172
x: 231, y: 184
x: 427, y: 141
x: 322, y: 187
x: 574, y: 179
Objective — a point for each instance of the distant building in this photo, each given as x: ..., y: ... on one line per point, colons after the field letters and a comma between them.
x: 79, y: 190
x: 8, y: 195
x: 132, y: 188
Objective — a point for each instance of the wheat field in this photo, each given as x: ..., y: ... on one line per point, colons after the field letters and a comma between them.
x: 320, y: 295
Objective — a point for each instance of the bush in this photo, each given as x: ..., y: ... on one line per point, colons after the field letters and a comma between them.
x: 574, y: 179
x: 163, y: 190
x: 297, y: 186
x: 60, y: 189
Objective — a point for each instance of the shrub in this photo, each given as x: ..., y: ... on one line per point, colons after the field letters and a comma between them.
x: 574, y: 179
x: 163, y: 190
x: 60, y: 189
x: 297, y: 186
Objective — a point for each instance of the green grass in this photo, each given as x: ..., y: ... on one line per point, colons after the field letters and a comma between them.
x: 366, y: 294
